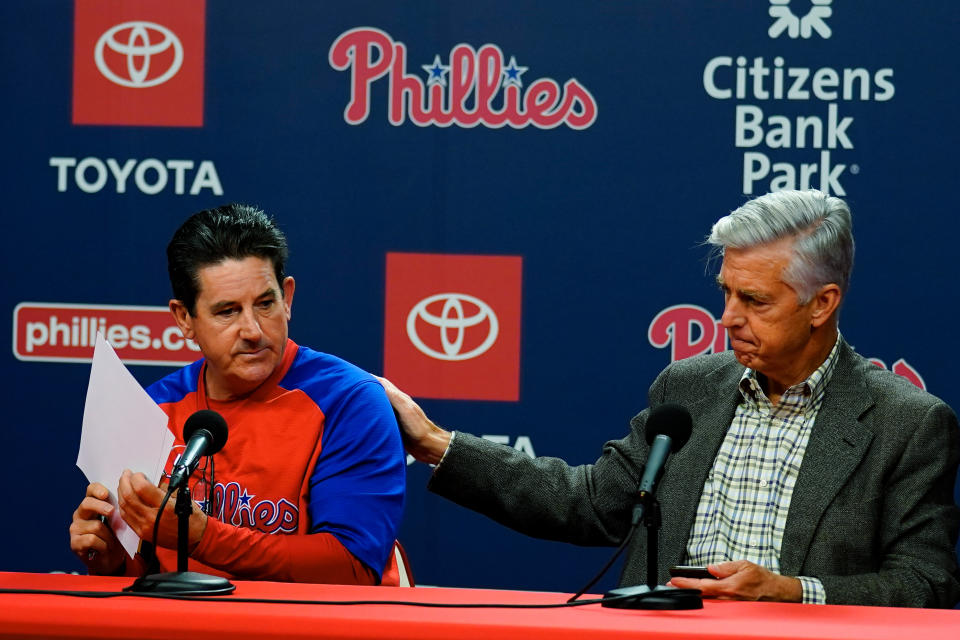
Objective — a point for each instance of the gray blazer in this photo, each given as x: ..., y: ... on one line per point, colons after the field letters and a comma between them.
x: 872, y: 514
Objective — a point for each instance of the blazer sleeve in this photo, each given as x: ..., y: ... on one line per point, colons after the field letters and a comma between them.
x: 545, y: 497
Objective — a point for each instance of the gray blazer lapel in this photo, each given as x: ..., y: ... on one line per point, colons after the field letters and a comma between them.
x: 838, y: 442
x: 712, y: 405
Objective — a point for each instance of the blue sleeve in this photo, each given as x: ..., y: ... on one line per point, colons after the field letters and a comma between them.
x: 173, y: 387
x: 357, y: 487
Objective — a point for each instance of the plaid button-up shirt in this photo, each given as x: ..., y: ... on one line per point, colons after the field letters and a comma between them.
x: 746, y: 497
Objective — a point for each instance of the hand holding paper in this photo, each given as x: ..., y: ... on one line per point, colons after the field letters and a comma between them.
x: 123, y: 428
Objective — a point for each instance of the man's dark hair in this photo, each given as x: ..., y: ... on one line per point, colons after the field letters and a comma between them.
x: 233, y: 231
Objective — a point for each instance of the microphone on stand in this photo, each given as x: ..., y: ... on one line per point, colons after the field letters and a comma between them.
x: 667, y: 429
x: 205, y: 433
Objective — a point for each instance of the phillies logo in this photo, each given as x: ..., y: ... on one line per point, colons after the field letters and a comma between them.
x: 451, y: 317
x: 236, y: 506
x: 493, y: 88
x: 690, y: 330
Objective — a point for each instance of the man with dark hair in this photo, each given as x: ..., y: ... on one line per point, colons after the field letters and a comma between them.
x: 811, y: 475
x: 208, y: 237
x: 310, y: 484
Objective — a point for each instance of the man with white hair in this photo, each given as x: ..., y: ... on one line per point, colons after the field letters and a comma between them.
x: 811, y: 475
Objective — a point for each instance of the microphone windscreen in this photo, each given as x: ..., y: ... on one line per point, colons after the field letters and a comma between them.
x: 670, y: 420
x: 210, y: 421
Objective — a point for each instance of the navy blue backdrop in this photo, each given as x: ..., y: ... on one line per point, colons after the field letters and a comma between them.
x: 591, y: 143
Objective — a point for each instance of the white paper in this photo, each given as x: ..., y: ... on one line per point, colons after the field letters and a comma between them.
x: 122, y: 429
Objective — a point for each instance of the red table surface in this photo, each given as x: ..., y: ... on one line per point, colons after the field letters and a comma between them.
x: 49, y: 616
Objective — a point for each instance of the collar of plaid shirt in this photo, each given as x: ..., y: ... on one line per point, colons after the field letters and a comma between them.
x: 746, y: 497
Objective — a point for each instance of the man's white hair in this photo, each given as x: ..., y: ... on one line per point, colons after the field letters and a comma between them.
x: 820, y: 224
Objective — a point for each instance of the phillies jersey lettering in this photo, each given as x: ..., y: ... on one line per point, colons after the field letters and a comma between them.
x: 235, y: 505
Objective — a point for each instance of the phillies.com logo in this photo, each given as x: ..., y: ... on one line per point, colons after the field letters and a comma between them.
x: 474, y: 87
x: 690, y: 330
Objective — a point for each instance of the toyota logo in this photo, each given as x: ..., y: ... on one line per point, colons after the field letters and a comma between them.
x: 145, y: 39
x: 452, y: 320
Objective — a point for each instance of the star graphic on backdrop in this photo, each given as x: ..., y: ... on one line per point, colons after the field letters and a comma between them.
x: 437, y: 72
x: 512, y: 73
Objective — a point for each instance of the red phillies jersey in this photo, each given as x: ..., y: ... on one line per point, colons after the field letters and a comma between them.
x: 314, y: 450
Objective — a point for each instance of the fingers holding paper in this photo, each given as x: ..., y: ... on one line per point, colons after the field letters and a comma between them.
x: 140, y: 501
x: 90, y: 536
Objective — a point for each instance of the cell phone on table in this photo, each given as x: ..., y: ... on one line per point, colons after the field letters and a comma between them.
x: 687, y: 571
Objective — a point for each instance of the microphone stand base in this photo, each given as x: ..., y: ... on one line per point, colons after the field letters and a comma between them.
x: 182, y: 583
x: 643, y: 597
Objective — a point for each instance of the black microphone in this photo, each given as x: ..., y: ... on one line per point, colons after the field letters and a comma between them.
x: 205, y: 433
x: 667, y: 430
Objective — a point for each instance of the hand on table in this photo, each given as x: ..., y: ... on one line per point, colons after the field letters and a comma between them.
x: 744, y: 580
